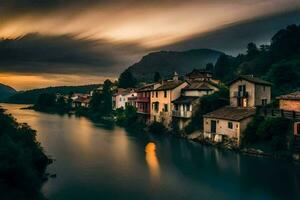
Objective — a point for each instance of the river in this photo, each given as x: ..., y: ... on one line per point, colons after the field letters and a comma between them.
x: 93, y: 161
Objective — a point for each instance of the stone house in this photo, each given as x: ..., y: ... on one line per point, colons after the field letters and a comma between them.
x: 291, y: 102
x: 227, y: 121
x: 249, y: 91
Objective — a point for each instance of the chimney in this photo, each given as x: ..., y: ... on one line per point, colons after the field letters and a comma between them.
x: 175, y: 76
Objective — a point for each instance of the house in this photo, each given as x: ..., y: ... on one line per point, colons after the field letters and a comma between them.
x: 121, y: 98
x: 227, y: 121
x: 187, y: 104
x: 291, y: 102
x: 201, y: 75
x: 249, y: 91
x: 162, y: 97
x: 80, y: 100
x: 143, y: 99
x: 246, y: 92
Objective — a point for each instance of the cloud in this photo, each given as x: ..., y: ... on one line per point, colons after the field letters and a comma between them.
x: 233, y: 38
x: 36, y: 53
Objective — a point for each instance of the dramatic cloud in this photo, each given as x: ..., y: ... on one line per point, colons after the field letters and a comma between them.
x: 102, y: 37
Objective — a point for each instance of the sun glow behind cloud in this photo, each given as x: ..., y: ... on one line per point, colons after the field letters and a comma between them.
x: 150, y: 25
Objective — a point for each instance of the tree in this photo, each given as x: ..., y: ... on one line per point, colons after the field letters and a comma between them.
x: 127, y: 80
x: 107, y: 97
x: 252, y: 50
x: 209, y: 67
x: 45, y: 100
x: 224, y: 68
x: 157, y: 77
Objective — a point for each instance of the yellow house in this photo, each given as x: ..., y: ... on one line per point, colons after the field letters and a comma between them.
x: 161, y: 99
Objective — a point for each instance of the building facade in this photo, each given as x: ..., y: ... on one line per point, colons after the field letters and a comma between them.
x: 249, y: 91
x: 189, y: 101
x: 291, y: 102
x: 122, y: 98
x: 161, y: 99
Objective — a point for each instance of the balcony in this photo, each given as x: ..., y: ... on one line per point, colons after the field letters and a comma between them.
x: 182, y: 114
x: 241, y: 94
x: 143, y: 99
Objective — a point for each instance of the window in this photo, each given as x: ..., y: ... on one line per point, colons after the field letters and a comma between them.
x: 264, y: 102
x: 176, y: 106
x: 166, y: 107
x: 264, y: 88
x: 156, y: 94
x: 165, y: 94
x: 120, y: 98
x: 188, y: 107
x: 230, y: 125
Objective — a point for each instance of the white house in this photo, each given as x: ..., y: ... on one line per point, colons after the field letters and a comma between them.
x: 123, y: 98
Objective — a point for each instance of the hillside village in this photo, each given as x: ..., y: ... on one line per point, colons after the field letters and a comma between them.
x: 175, y: 101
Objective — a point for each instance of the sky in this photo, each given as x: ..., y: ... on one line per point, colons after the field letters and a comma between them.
x: 75, y: 42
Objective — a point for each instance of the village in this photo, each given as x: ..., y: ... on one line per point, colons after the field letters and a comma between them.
x: 175, y: 101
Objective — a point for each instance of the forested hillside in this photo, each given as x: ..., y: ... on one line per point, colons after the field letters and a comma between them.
x: 278, y: 62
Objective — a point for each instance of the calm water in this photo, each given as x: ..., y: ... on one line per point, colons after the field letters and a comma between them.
x: 95, y: 162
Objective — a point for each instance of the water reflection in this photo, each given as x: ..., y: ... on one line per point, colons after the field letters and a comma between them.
x: 151, y: 159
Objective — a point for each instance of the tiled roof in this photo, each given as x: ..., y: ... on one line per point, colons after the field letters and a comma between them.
x: 184, y: 100
x: 231, y: 113
x: 169, y: 85
x: 198, y: 73
x: 291, y: 96
x: 251, y: 79
x: 147, y: 87
x: 199, y: 85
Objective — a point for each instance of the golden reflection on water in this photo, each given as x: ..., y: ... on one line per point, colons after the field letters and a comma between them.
x: 152, y: 160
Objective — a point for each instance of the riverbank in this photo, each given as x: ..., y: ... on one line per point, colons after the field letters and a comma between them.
x: 131, y: 122
x: 23, y: 161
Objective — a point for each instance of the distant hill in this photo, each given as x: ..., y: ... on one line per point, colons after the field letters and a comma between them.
x: 5, y: 92
x: 166, y: 62
x: 30, y: 96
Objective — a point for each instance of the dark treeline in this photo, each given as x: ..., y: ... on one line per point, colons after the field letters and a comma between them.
x: 31, y: 96
x: 23, y: 161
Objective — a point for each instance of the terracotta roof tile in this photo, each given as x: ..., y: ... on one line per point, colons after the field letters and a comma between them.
x: 231, y: 113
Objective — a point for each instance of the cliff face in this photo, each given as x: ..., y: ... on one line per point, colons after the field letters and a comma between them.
x: 166, y: 62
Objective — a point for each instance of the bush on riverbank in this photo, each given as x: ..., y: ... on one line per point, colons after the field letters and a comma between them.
x: 128, y: 118
x: 157, y: 128
x: 272, y: 133
x: 23, y: 162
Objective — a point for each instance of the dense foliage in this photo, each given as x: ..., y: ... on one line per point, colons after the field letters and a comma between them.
x: 276, y: 132
x: 127, y: 80
x: 31, y: 96
x: 278, y: 62
x: 129, y: 119
x: 22, y: 163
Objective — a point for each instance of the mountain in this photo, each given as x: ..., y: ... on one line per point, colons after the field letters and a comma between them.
x: 5, y: 92
x: 30, y: 96
x: 166, y: 62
